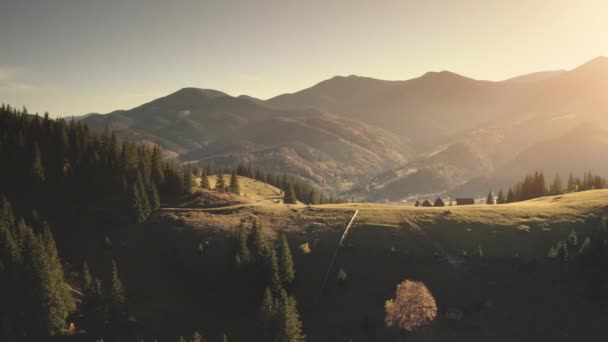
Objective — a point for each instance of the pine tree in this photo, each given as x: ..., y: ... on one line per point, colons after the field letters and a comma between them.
x: 234, y: 184
x: 139, y: 212
x: 157, y: 172
x: 289, y: 323
x: 154, y: 197
x: 573, y: 238
x: 220, y: 184
x: 204, y: 180
x: 143, y: 193
x: 268, y: 311
x: 556, y: 187
x: 287, y: 271
x: 37, y: 170
x: 290, y: 195
x: 187, y: 180
x: 53, y: 292
x: 490, y: 198
x: 510, y: 196
x: 501, y: 198
x: 88, y: 283
x: 243, y: 254
x: 258, y: 245
x: 118, y: 297
x: 585, y: 245
x: 274, y: 272
x: 571, y: 183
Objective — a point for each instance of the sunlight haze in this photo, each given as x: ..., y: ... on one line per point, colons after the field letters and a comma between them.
x: 75, y: 57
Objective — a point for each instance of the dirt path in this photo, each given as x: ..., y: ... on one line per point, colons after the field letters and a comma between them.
x: 416, y: 229
x: 333, y: 259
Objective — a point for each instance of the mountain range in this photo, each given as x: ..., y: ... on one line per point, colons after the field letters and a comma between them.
x: 376, y: 139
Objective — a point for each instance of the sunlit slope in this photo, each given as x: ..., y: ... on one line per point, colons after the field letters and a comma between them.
x: 568, y: 208
x: 252, y: 189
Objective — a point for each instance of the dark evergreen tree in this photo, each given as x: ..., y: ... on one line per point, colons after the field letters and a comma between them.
x: 118, y: 297
x: 52, y: 292
x: 188, y: 179
x: 287, y: 269
x: 235, y: 188
x: 290, y: 195
x: 289, y: 325
x: 204, y: 180
x: 490, y: 198
x: 37, y: 170
x: 500, y: 199
x: 556, y: 186
x: 220, y: 184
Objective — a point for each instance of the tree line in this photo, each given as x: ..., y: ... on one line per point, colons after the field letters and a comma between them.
x: 52, y: 164
x: 293, y: 188
x: 535, y: 185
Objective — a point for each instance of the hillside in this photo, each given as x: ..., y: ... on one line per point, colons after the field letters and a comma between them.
x: 578, y: 150
x: 197, y: 124
x: 515, y: 239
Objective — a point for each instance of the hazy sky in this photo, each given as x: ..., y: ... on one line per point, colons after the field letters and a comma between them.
x: 79, y: 56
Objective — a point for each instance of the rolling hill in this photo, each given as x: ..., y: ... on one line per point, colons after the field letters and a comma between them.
x: 197, y: 124
x: 513, y: 279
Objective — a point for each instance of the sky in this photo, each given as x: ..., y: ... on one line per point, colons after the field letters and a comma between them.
x: 71, y: 57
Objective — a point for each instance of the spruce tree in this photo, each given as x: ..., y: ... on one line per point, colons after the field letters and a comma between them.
x: 287, y: 270
x: 290, y: 195
x: 490, y: 198
x: 274, y: 280
x: 501, y: 198
x: 289, y: 327
x: 143, y: 193
x: 204, y: 180
x: 139, y: 212
x: 268, y: 311
x: 187, y: 180
x: 510, y: 196
x: 37, y: 170
x: 88, y: 283
x: 243, y: 253
x: 157, y: 172
x: 258, y: 246
x: 53, y: 292
x: 234, y: 184
x: 154, y: 197
x: 556, y: 187
x: 220, y: 184
x: 118, y: 297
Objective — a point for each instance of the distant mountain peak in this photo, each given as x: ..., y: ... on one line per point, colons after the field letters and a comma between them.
x: 192, y: 91
x: 443, y: 75
x: 596, y: 64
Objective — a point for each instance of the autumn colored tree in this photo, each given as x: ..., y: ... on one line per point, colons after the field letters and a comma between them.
x: 413, y: 307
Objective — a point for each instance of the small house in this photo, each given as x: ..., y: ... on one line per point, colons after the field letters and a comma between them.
x: 439, y: 202
x: 465, y: 201
x: 426, y: 203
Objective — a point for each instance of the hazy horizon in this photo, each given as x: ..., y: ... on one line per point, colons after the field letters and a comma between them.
x: 70, y: 59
